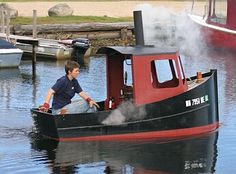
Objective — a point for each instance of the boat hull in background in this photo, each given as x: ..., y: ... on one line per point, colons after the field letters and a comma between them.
x: 10, y: 58
x: 215, y: 36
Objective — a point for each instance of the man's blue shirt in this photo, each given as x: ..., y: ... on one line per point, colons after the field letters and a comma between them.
x: 65, y: 90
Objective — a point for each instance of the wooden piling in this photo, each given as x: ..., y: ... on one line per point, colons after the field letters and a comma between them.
x: 34, y: 24
x: 34, y: 60
x: 8, y: 24
x: 34, y: 43
x: 2, y: 20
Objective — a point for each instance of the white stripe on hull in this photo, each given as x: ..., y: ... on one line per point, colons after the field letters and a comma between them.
x: 202, y: 22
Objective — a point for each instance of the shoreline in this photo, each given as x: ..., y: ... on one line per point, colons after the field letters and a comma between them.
x: 110, y: 9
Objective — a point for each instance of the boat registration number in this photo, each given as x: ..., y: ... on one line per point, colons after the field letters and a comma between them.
x: 196, y: 101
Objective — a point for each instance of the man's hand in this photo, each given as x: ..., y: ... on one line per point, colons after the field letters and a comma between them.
x: 91, y: 103
x: 44, y: 107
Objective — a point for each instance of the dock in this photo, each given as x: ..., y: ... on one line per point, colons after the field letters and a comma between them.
x: 47, y: 48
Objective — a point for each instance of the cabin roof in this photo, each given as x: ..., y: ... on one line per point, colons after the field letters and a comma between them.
x: 137, y: 50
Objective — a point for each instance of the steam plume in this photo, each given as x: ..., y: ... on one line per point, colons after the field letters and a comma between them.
x: 162, y: 27
x: 126, y: 111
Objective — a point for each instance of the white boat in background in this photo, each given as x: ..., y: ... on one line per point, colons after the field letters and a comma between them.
x: 10, y: 56
x: 47, y: 48
x: 50, y: 48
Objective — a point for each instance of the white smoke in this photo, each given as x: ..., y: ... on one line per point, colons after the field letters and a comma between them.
x: 189, y: 37
x: 157, y: 24
x: 126, y: 111
x: 162, y: 27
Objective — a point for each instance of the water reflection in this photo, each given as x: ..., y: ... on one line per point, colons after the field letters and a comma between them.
x: 8, y: 79
x: 10, y: 88
x: 193, y: 155
x: 12, y: 73
x: 227, y: 60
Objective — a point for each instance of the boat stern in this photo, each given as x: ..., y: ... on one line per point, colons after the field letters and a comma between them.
x: 44, y: 123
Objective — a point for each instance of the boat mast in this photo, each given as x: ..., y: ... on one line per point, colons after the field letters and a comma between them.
x: 192, y: 5
x: 213, y: 9
x: 209, y: 12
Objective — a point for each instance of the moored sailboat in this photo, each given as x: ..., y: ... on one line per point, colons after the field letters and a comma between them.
x: 217, y: 24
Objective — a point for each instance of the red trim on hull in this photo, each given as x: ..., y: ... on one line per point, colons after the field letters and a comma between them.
x: 147, y: 135
x: 219, y: 39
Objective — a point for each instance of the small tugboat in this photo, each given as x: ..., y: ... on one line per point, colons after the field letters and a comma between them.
x: 148, y: 96
x: 217, y: 24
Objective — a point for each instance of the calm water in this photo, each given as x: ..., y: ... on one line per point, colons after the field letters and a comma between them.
x: 22, y: 152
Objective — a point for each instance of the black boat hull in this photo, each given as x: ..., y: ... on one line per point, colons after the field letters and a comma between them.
x: 192, y: 112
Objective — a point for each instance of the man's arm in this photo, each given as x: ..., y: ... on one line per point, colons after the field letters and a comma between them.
x: 51, y: 92
x: 46, y: 105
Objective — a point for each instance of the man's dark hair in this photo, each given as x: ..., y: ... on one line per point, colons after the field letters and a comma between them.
x: 70, y: 65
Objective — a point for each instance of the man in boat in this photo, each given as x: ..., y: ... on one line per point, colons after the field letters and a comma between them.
x: 64, y: 90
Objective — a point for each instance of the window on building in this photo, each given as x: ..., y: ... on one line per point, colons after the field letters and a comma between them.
x: 219, y: 11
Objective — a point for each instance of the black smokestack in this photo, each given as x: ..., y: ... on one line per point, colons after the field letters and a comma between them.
x: 138, y: 28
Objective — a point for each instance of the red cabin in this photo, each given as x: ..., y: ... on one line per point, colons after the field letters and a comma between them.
x: 143, y: 74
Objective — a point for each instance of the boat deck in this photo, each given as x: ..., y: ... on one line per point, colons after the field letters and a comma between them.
x: 194, y: 83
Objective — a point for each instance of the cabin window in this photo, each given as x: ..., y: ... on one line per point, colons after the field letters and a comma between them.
x: 218, y: 11
x: 128, y: 81
x: 164, y: 73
